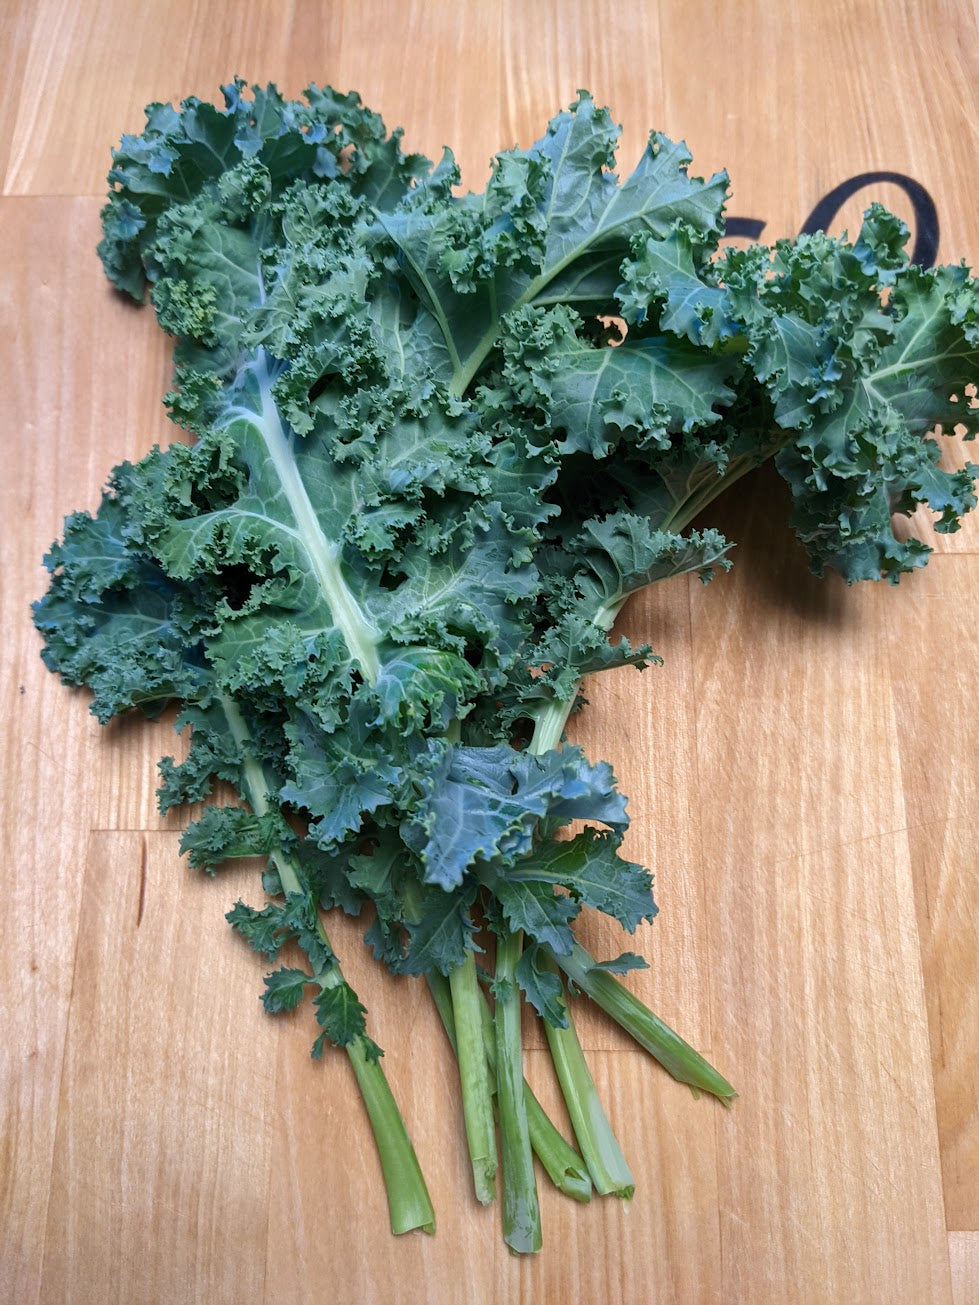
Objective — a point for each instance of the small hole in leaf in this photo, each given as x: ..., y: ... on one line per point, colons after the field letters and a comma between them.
x: 616, y: 329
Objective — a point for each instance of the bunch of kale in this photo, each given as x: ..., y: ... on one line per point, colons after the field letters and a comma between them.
x: 439, y: 439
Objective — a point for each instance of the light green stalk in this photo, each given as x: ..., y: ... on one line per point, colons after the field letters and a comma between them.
x: 477, y: 1097
x: 672, y: 1052
x: 606, y: 1164
x: 675, y: 1055
x: 561, y: 1161
x: 521, y: 1209
x: 409, y: 1204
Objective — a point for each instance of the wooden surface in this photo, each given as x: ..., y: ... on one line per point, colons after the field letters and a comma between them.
x: 802, y: 771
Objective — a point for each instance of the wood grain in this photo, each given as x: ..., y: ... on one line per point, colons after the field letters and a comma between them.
x: 964, y: 1257
x: 935, y: 720
x: 160, y: 1174
x: 801, y: 771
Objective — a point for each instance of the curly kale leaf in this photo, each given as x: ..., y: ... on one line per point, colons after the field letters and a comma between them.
x: 854, y: 365
x: 871, y: 455
x: 589, y: 397
x: 552, y: 228
x: 483, y: 805
x: 252, y: 149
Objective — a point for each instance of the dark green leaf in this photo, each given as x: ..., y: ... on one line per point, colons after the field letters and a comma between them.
x: 284, y: 989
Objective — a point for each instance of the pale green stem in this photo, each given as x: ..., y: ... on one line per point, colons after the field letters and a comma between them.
x: 606, y: 1164
x: 409, y: 1204
x: 521, y: 1209
x: 477, y: 1098
x: 561, y: 1161
x: 675, y: 1055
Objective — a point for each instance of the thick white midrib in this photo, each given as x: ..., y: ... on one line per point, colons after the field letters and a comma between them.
x: 359, y: 635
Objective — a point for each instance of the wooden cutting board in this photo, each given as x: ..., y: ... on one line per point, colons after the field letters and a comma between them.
x: 802, y: 771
